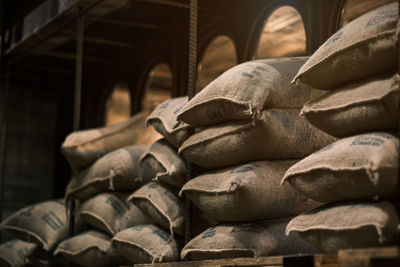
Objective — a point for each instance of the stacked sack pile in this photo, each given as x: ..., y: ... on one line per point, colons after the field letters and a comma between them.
x: 110, y: 163
x: 358, y: 174
x: 250, y: 133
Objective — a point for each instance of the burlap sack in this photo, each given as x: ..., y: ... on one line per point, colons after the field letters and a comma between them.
x: 244, y: 90
x: 91, y: 248
x: 82, y: 148
x: 364, y: 47
x: 164, y: 160
x: 358, y: 167
x: 163, y: 119
x: 42, y: 258
x: 14, y: 253
x: 117, y: 170
x: 244, y: 240
x: 364, y: 106
x: 162, y: 205
x: 109, y: 213
x: 146, y: 244
x: 347, y: 225
x: 247, y: 193
x: 274, y: 134
x: 44, y: 224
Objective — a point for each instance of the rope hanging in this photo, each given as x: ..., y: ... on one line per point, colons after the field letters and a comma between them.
x: 191, y: 90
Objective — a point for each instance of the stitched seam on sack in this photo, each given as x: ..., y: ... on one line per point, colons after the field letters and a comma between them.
x: 58, y: 250
x: 375, y: 38
x: 89, y: 184
x: 27, y: 232
x: 300, y: 228
x: 138, y: 246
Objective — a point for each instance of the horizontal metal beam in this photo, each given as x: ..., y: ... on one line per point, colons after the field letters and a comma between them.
x: 166, y: 3
x: 71, y: 56
x: 124, y: 23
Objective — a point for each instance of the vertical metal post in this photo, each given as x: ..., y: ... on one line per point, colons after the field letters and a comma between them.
x: 191, y: 89
x: 77, y: 102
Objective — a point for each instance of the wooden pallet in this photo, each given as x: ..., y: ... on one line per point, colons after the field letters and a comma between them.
x: 368, y: 257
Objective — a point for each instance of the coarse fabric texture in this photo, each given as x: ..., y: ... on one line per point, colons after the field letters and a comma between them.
x: 118, y: 170
x: 146, y: 244
x: 347, y: 225
x: 244, y: 90
x: 44, y: 224
x: 14, y: 253
x: 90, y: 248
x: 164, y: 120
x: 364, y: 106
x: 109, y: 212
x: 42, y: 258
x: 364, y: 47
x: 245, y: 240
x: 358, y: 167
x: 162, y: 205
x: 247, y: 192
x: 82, y: 148
x: 274, y: 134
x: 164, y: 160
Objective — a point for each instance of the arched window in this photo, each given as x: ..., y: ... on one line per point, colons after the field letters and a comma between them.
x: 283, y: 35
x: 158, y: 86
x: 355, y: 8
x: 118, y: 105
x: 219, y: 56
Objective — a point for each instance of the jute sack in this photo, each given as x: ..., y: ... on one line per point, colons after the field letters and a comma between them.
x: 117, y: 170
x: 82, y: 148
x: 347, y: 225
x: 14, y: 252
x: 244, y: 90
x: 164, y: 120
x: 44, y: 224
x: 109, y: 213
x: 146, y: 244
x: 358, y: 167
x: 364, y: 106
x: 42, y: 258
x: 247, y: 193
x: 364, y: 47
x: 164, y: 160
x: 245, y: 240
x: 162, y: 205
x: 274, y: 134
x: 90, y: 248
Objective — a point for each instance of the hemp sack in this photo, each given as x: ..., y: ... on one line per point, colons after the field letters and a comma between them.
x: 90, y: 248
x: 364, y: 47
x: 146, y: 244
x: 164, y: 160
x: 244, y: 90
x: 164, y: 120
x: 44, y: 224
x: 274, y: 134
x: 358, y: 167
x: 15, y: 252
x: 245, y: 240
x: 347, y: 225
x: 247, y: 192
x: 364, y: 106
x: 82, y: 148
x: 117, y: 170
x: 162, y: 205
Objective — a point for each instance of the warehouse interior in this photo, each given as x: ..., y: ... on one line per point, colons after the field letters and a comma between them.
x: 75, y: 65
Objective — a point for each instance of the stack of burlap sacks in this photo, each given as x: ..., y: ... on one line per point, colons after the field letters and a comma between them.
x: 358, y: 174
x: 123, y: 216
x: 249, y: 133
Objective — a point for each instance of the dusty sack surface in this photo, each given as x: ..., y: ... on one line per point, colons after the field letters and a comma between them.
x: 364, y: 106
x: 14, y: 252
x: 44, y: 224
x: 348, y: 225
x: 82, y: 148
x: 164, y: 120
x: 364, y: 47
x: 244, y: 90
x: 274, y: 134
x: 146, y: 244
x: 247, y: 192
x: 357, y: 167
